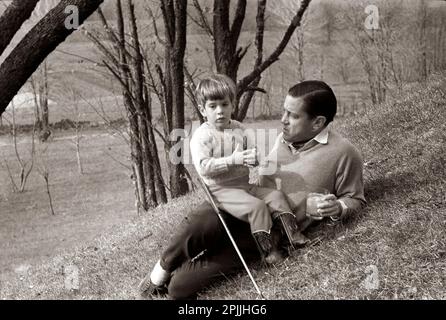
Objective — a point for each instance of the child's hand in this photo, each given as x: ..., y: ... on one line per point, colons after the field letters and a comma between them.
x: 250, y: 158
x: 238, y: 156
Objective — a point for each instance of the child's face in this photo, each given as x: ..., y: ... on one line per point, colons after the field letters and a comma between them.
x: 218, y: 112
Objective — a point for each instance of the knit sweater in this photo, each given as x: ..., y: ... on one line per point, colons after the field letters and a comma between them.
x: 211, y: 149
x: 336, y: 166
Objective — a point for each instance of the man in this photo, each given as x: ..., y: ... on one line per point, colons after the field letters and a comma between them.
x: 308, y: 156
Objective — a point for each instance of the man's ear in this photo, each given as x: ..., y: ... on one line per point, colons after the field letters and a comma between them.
x: 319, y: 122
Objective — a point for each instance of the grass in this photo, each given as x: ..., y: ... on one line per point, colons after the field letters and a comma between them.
x: 394, y: 249
x: 85, y: 205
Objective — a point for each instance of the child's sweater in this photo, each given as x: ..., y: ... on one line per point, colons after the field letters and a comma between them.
x: 211, y: 150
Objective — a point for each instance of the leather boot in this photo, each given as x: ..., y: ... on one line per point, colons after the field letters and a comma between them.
x: 269, y: 252
x: 291, y: 230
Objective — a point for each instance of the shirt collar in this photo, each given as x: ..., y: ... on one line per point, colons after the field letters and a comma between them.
x: 321, y: 137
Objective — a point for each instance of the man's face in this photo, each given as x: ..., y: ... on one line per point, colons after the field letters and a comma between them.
x: 296, y: 123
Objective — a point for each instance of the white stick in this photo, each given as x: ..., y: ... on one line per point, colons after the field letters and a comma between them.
x: 217, y: 211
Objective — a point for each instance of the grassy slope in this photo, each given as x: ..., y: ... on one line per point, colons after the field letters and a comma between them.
x: 85, y: 205
x: 400, y: 234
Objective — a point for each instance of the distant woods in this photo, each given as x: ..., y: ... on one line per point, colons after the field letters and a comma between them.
x: 365, y: 63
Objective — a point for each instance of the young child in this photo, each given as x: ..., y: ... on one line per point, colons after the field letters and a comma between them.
x: 224, y: 167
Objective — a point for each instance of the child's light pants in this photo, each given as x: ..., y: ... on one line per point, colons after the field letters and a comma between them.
x: 251, y: 203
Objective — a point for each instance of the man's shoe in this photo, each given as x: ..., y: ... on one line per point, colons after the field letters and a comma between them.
x: 149, y: 290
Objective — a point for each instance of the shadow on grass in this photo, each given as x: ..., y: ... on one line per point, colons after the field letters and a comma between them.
x: 389, y: 185
x: 378, y: 189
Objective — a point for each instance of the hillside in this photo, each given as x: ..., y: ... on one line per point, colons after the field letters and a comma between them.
x: 399, y: 238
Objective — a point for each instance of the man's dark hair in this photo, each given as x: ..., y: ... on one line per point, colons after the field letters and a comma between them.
x: 319, y: 99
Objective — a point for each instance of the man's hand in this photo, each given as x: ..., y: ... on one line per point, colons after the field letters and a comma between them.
x: 328, y: 207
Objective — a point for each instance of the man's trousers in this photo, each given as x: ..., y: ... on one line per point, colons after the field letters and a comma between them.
x: 201, y: 253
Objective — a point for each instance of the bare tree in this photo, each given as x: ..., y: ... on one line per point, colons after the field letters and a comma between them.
x: 175, y: 17
x: 228, y: 55
x: 126, y: 62
x: 331, y: 19
x: 43, y: 170
x: 375, y: 48
x: 342, y: 65
x: 26, y: 166
x: 40, y: 88
x: 77, y: 142
x: 430, y: 43
x: 46, y: 176
x: 422, y: 42
x: 72, y: 107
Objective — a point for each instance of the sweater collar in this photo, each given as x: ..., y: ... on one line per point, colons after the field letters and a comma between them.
x: 321, y: 137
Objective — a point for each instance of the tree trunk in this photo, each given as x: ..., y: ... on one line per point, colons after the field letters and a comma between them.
x: 422, y: 40
x: 127, y: 66
x: 78, y: 154
x: 146, y: 157
x: 175, y: 17
x: 134, y: 129
x: 246, y: 98
x: 43, y: 104
x: 12, y: 19
x: 37, y: 44
x: 300, y: 58
x: 227, y: 58
x: 45, y: 176
x: 159, y: 181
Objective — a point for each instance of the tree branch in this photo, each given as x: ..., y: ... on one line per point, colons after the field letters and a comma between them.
x: 109, y: 30
x: 221, y: 16
x: 36, y: 45
x: 163, y: 108
x: 274, y: 56
x: 190, y: 93
x: 12, y: 19
x: 239, y: 17
x: 203, y: 21
x: 168, y: 11
x: 105, y: 51
x: 155, y: 26
x: 260, y: 31
x: 250, y: 88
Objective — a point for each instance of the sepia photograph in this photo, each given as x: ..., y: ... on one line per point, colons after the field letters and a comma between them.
x: 245, y: 151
